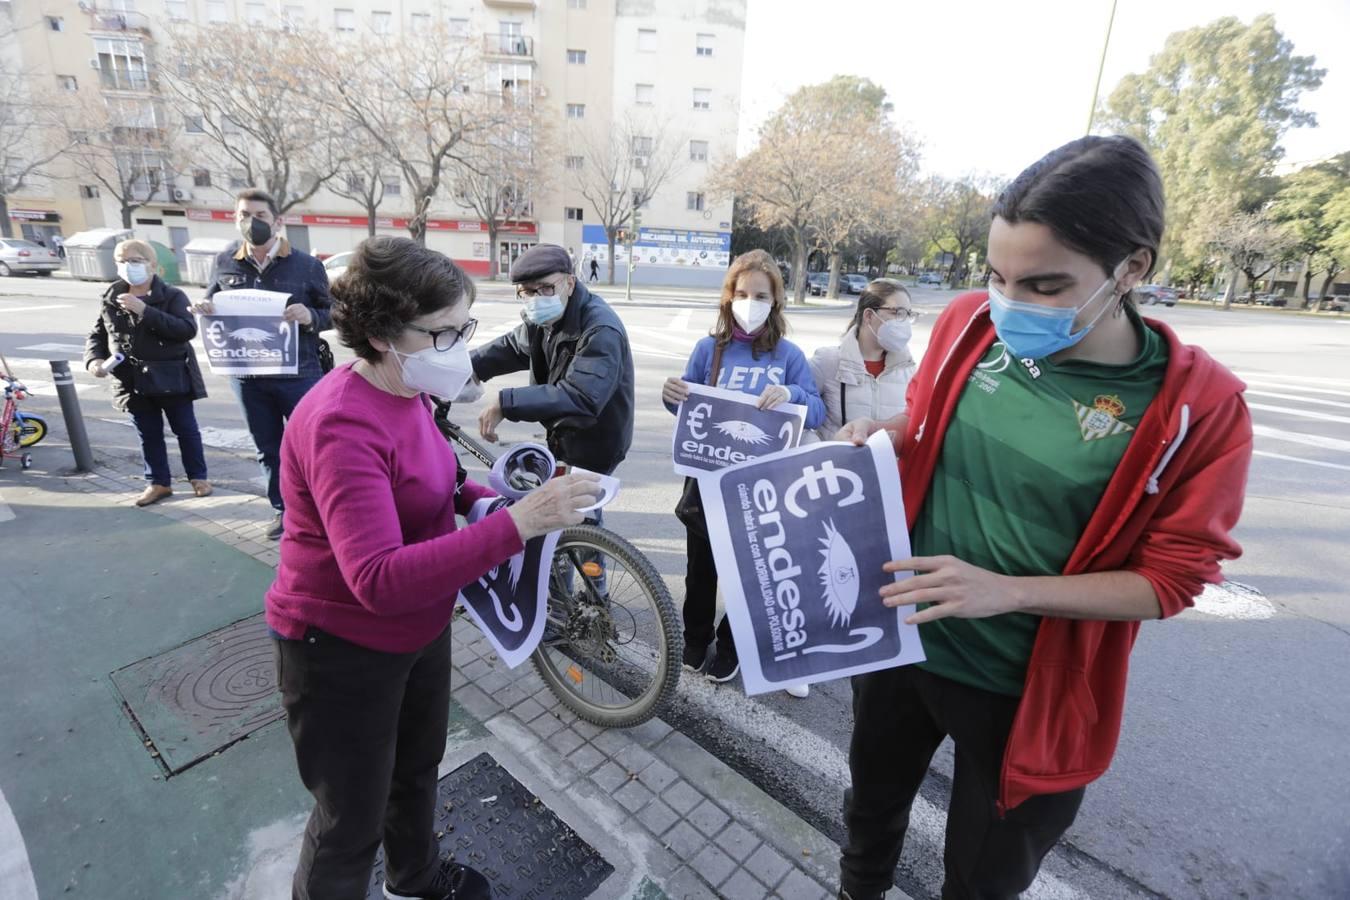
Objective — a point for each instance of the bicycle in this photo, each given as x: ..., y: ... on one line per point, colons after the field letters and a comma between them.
x: 18, y: 431
x: 611, y: 651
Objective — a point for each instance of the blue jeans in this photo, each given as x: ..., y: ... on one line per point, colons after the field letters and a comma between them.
x: 149, y: 420
x: 267, y: 404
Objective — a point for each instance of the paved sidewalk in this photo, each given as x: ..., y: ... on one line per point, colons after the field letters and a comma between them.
x: 670, y: 819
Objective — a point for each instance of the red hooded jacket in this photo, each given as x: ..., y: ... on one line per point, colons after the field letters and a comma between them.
x: 1166, y: 514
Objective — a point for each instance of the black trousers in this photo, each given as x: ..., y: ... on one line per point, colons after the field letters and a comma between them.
x: 900, y: 716
x: 369, y: 732
x: 700, y: 595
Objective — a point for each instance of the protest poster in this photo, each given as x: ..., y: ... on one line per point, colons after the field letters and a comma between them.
x: 716, y: 428
x: 799, y: 538
x: 509, y: 603
x: 246, y: 334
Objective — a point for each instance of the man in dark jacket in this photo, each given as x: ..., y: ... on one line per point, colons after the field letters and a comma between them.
x: 581, y: 367
x: 266, y: 261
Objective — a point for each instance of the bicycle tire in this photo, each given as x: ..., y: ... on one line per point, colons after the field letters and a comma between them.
x: 669, y: 658
x: 28, y: 429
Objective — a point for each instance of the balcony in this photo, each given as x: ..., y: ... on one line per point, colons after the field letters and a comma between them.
x: 114, y: 20
x: 120, y: 79
x: 510, y: 4
x: 514, y: 46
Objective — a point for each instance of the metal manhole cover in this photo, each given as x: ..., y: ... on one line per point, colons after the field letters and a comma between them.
x: 204, y: 695
x: 493, y: 823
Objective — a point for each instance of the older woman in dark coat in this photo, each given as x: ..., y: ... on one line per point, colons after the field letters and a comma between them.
x: 148, y: 324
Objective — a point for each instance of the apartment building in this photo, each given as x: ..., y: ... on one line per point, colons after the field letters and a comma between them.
x: 596, y: 67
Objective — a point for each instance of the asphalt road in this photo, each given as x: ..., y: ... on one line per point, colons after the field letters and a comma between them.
x: 1230, y: 776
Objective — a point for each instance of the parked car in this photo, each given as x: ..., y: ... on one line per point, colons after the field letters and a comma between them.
x: 1334, y: 304
x: 336, y: 264
x: 1271, y: 300
x: 1157, y: 294
x: 932, y: 278
x: 817, y: 283
x: 852, y: 283
x: 19, y: 256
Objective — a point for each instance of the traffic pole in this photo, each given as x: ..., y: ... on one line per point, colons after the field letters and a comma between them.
x: 70, y: 408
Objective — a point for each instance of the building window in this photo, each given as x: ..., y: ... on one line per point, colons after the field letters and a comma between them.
x: 703, y: 46
x: 217, y: 12
x: 576, y: 4
x: 393, y: 187
x: 356, y: 184
x: 698, y: 151
x: 121, y: 64
x: 228, y: 125
x: 645, y: 94
x: 201, y: 177
x: 702, y: 98
x: 294, y: 16
x: 67, y: 83
x: 255, y: 13
x: 193, y: 125
x: 56, y: 23
x: 459, y: 28
x: 576, y: 57
x: 238, y: 180
x: 176, y: 10
x: 642, y: 146
x: 573, y: 213
x: 646, y: 40
x: 576, y: 110
x: 344, y: 20
x: 638, y: 200
x: 694, y: 200
x: 89, y: 191
x: 574, y: 162
x: 382, y: 22
x: 419, y: 22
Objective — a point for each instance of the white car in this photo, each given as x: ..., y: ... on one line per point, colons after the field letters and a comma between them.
x: 336, y: 264
x: 19, y: 256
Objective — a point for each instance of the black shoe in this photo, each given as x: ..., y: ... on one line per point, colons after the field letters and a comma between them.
x: 276, y: 528
x: 452, y: 882
x: 725, y: 666
x: 695, y: 657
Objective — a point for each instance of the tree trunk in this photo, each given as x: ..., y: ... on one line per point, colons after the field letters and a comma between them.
x: 798, y: 268
x: 1327, y: 282
x: 493, y: 264
x: 836, y: 263
x: 1308, y: 274
x: 609, y: 236
x: 126, y: 216
x: 370, y: 220
x: 6, y: 229
x: 1230, y: 288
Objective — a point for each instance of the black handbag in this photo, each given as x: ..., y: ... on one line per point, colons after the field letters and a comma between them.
x: 326, y: 360
x: 163, y: 379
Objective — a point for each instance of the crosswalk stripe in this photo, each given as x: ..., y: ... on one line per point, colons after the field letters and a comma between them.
x: 1299, y: 459
x: 1297, y: 437
x: 1298, y: 398
x: 1303, y: 389
x: 1308, y: 379
x: 1301, y: 413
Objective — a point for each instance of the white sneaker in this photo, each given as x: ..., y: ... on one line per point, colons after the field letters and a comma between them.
x: 800, y: 691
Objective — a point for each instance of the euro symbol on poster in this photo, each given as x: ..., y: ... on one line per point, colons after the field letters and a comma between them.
x: 715, y: 428
x: 696, y: 417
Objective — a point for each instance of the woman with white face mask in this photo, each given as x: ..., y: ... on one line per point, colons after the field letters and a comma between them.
x: 372, y: 561
x: 141, y: 343
x: 866, y: 374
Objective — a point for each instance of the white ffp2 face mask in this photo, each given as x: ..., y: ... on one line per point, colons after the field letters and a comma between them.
x: 431, y: 371
x: 893, y: 336
x: 750, y: 314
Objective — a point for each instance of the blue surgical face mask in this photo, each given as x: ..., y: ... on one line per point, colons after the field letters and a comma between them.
x: 1033, y: 331
x: 541, y: 310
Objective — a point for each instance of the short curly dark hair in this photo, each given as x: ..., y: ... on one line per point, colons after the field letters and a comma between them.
x: 389, y: 282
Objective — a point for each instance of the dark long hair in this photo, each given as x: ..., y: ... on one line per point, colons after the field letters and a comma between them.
x: 776, y: 326
x: 1100, y: 196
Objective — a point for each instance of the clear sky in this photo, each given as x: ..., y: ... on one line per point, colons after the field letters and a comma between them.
x: 989, y: 86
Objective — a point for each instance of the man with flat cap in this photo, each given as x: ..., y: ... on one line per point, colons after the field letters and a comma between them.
x: 580, y: 364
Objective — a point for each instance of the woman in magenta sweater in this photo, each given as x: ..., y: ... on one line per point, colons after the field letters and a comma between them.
x: 371, y: 564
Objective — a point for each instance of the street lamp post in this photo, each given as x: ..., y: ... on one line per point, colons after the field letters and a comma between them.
x: 1092, y: 113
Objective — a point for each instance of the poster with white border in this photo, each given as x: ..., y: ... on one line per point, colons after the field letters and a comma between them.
x: 716, y: 428
x: 799, y: 539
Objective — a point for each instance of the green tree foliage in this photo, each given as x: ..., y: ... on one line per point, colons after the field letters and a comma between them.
x: 1305, y: 207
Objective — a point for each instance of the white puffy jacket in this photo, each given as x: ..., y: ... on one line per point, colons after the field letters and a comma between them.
x: 850, y: 393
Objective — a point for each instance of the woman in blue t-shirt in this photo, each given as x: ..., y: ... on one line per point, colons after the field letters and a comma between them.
x: 752, y: 356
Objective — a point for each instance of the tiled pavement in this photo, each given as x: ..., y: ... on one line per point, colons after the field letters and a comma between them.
x: 663, y: 811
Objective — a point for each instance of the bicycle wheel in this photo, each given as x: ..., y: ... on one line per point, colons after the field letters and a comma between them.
x: 27, y: 430
x: 612, y: 646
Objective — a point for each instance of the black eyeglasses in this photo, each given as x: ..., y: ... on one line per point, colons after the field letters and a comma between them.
x: 901, y: 313
x: 545, y: 289
x: 445, y: 338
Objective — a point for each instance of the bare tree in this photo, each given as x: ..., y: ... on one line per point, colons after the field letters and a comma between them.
x: 127, y: 148
x: 418, y: 98
x: 1253, y: 244
x: 364, y: 176
x: 957, y: 214
x: 503, y: 175
x: 238, y: 86
x: 31, y: 137
x: 623, y: 168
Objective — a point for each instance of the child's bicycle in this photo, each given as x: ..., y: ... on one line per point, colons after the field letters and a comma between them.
x: 612, y: 645
x: 18, y: 431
